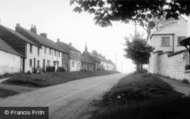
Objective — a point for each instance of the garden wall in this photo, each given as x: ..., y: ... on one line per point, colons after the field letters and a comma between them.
x: 169, y: 64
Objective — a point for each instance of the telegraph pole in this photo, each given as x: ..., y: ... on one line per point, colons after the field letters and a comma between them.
x: 135, y: 23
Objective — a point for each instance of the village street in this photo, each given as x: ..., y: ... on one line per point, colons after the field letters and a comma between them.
x: 70, y: 100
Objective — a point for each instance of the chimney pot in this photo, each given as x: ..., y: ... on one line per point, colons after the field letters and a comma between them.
x: 33, y: 29
x: 58, y: 40
x: 43, y: 35
x: 17, y: 28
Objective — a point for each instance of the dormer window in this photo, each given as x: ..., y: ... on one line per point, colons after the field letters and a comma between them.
x: 165, y: 41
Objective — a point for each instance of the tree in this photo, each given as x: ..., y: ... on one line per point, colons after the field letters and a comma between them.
x: 107, y: 11
x: 138, y: 50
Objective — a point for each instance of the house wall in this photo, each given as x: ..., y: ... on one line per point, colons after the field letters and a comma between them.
x: 41, y: 57
x: 74, y: 65
x: 9, y: 63
x: 175, y: 27
x: 170, y: 66
x: 87, y: 66
x: 65, y: 61
x: 160, y: 62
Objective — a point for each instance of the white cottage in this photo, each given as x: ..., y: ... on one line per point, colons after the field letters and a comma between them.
x: 47, y: 53
x: 10, y: 60
x: 169, y: 58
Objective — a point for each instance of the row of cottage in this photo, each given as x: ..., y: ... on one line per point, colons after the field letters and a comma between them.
x: 23, y: 50
x: 170, y: 39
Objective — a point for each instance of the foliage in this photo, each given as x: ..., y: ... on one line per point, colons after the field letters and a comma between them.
x: 142, y: 96
x: 53, y: 78
x: 50, y: 69
x: 107, y: 11
x: 60, y: 69
x: 185, y: 81
x: 138, y: 50
x: 5, y: 92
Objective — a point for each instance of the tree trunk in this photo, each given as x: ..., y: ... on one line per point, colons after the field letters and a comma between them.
x: 139, y: 67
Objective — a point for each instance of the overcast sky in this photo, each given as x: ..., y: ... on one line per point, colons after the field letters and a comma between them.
x: 55, y: 17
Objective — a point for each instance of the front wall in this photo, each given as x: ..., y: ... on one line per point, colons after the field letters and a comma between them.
x: 76, y: 67
x: 9, y: 63
x: 43, y: 56
x: 179, y: 28
x: 173, y: 67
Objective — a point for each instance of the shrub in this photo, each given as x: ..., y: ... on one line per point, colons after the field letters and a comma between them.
x: 60, y: 69
x: 50, y: 69
x: 185, y: 81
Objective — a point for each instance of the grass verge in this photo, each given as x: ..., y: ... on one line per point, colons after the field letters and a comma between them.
x: 142, y: 96
x: 5, y: 93
x: 49, y: 79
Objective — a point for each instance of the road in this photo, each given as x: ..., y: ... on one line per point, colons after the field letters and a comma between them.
x: 70, y: 100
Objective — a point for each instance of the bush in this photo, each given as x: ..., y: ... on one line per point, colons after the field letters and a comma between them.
x: 50, y: 69
x: 187, y: 67
x: 185, y: 81
x: 60, y: 69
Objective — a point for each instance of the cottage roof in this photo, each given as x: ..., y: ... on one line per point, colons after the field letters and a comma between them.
x: 6, y: 48
x: 67, y: 48
x: 92, y: 57
x: 38, y: 39
x: 6, y: 32
x: 86, y: 59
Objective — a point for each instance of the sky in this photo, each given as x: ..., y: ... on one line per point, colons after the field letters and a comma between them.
x: 57, y: 19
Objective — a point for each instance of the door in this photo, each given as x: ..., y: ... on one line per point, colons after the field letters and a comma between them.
x: 34, y: 62
x: 44, y: 64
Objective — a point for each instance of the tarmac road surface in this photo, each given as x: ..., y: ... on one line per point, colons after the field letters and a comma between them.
x: 70, y: 100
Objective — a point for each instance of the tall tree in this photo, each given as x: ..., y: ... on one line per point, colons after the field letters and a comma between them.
x: 107, y: 11
x: 138, y: 50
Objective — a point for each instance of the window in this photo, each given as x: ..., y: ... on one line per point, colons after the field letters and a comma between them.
x: 58, y: 54
x: 58, y: 63
x: 30, y: 62
x: 38, y: 51
x: 48, y: 62
x: 45, y: 49
x: 55, y: 53
x: 38, y: 63
x: 165, y: 41
x: 30, y: 48
x: 179, y: 39
x: 49, y: 51
x: 73, y: 64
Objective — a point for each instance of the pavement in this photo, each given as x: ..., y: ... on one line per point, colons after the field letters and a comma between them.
x: 72, y: 100
x: 177, y: 85
x: 1, y: 80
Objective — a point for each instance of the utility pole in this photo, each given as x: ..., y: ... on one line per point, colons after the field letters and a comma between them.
x: 116, y: 61
x: 135, y: 23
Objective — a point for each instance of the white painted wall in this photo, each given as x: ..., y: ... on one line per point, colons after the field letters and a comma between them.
x: 74, y: 65
x: 43, y: 56
x: 171, y: 66
x: 9, y: 63
x: 188, y: 26
x: 177, y: 27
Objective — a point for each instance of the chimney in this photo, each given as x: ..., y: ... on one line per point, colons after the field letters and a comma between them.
x: 43, y: 35
x: 58, y: 40
x: 17, y: 28
x: 70, y: 44
x: 33, y: 29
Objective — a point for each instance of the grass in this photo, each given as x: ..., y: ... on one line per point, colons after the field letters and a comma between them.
x: 5, y: 93
x: 142, y: 96
x: 49, y: 79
